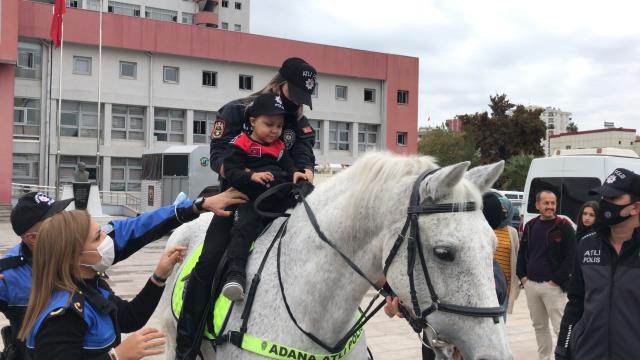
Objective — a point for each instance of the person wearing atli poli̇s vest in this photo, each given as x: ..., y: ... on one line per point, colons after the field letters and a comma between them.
x: 294, y: 83
x: 601, y: 318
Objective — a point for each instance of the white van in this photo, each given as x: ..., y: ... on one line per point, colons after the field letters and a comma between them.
x: 570, y: 174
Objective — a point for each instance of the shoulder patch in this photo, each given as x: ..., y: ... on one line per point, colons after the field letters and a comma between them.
x: 307, y: 129
x: 218, y: 129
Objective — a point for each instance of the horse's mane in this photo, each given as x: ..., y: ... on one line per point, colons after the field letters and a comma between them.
x: 373, y: 174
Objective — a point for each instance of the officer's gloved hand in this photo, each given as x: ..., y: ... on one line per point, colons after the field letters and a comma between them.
x: 303, y: 188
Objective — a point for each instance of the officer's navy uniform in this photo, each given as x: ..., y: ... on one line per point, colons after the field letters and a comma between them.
x: 601, y: 320
x: 129, y: 235
x: 87, y: 325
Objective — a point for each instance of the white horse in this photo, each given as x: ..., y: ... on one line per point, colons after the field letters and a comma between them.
x: 362, y: 210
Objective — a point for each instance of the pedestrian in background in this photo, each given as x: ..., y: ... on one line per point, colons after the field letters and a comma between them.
x: 586, y: 219
x: 545, y: 259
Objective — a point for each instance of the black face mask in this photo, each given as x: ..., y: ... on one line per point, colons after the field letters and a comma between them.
x: 289, y: 105
x: 609, y: 213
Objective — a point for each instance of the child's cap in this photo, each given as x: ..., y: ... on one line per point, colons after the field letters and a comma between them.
x: 266, y: 104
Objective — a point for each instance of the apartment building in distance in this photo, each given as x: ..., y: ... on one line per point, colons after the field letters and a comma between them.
x: 163, y: 79
x: 620, y: 138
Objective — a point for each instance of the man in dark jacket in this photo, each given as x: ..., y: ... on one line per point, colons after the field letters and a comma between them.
x: 544, y: 263
x: 601, y: 320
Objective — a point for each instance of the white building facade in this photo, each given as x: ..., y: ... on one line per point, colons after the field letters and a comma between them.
x: 613, y: 137
x: 154, y: 99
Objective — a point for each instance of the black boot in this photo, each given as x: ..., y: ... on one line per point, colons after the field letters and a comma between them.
x: 191, y: 324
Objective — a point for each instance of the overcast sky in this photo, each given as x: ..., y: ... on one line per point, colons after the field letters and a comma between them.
x: 580, y: 56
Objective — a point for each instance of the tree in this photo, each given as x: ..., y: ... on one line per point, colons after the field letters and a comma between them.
x: 510, y: 130
x: 448, y: 147
x: 572, y: 127
x: 515, y: 172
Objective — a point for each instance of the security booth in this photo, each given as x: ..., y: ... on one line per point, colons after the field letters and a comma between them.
x: 178, y: 168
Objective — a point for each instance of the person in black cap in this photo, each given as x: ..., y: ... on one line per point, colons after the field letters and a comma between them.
x: 257, y: 161
x: 15, y: 265
x: 295, y: 82
x: 601, y: 318
x: 125, y: 238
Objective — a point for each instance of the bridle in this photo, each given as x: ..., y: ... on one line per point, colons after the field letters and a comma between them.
x: 410, y: 233
x: 415, y: 249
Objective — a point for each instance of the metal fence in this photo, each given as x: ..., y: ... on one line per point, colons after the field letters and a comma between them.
x: 119, y: 198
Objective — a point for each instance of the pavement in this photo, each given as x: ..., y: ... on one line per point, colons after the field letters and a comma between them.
x: 388, y: 339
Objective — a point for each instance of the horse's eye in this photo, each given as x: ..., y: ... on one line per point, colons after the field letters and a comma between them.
x: 444, y: 253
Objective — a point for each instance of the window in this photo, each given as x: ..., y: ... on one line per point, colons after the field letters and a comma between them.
x: 160, y: 14
x: 127, y: 122
x: 29, y: 57
x: 171, y: 74
x: 73, y: 3
x: 341, y: 92
x: 237, y: 27
x: 316, y: 125
x: 187, y: 18
x: 225, y: 3
x: 92, y: 5
x: 82, y: 65
x: 225, y: 26
x: 79, y: 119
x: 123, y: 8
x: 168, y: 125
x: 238, y: 5
x: 26, y: 168
x: 401, y: 138
x: 369, y: 95
x: 126, y: 174
x: 128, y: 70
x: 246, y: 82
x: 403, y: 97
x: 367, y: 137
x: 209, y: 78
x: 202, y: 125
x: 339, y: 135
x: 69, y: 165
x: 26, y: 119
x: 572, y: 192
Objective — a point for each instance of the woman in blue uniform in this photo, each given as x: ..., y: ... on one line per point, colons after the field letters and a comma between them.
x: 294, y: 82
x: 72, y: 312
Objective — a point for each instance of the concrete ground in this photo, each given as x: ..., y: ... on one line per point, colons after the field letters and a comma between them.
x: 388, y: 339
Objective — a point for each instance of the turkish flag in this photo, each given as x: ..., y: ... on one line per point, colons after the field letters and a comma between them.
x: 56, y: 23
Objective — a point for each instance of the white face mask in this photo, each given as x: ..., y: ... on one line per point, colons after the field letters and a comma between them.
x: 107, y: 253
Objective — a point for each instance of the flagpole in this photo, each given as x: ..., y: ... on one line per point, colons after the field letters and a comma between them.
x: 98, y: 168
x: 59, y: 111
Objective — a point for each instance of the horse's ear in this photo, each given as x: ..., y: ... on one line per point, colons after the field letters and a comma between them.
x: 484, y: 176
x: 442, y: 182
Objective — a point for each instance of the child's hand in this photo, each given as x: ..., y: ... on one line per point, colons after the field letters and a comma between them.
x: 298, y: 176
x: 262, y: 177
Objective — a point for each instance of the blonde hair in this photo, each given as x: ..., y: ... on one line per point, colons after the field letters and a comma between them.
x: 273, y: 87
x: 55, y: 261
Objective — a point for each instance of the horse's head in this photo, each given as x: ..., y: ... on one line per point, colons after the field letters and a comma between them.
x: 457, y: 246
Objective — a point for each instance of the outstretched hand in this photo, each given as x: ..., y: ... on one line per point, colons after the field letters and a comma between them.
x: 219, y: 202
x: 169, y: 259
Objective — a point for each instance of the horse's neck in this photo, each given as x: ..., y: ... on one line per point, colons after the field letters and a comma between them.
x: 323, y: 291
